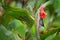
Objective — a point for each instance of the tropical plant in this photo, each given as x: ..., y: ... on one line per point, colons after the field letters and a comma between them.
x: 20, y: 20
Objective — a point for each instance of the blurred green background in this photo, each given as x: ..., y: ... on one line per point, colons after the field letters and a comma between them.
x: 18, y: 19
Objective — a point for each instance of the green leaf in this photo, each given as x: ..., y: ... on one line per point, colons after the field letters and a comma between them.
x: 6, y: 19
x: 21, y: 14
x: 38, y: 4
x: 33, y: 33
x: 51, y: 37
x: 18, y: 26
x: 56, y: 5
x: 56, y: 23
x: 57, y: 37
x: 50, y: 32
x: 7, y: 35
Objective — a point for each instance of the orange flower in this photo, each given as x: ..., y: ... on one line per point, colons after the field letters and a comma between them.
x: 42, y: 12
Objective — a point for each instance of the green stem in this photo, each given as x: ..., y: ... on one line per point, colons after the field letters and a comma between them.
x: 46, y: 3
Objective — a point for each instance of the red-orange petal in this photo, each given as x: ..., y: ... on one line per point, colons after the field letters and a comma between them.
x: 42, y: 13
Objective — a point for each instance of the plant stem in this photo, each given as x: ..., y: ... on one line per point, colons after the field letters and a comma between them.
x: 38, y: 28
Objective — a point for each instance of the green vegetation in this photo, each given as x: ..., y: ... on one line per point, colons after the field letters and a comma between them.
x: 18, y: 20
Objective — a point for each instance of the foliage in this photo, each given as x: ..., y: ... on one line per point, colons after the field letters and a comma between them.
x: 18, y: 20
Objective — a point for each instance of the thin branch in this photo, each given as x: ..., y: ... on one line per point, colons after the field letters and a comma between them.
x: 38, y: 28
